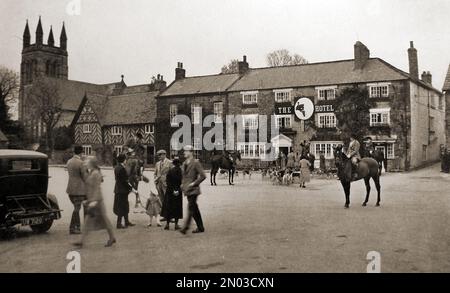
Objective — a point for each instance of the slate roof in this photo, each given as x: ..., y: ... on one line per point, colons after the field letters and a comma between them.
x: 318, y: 74
x: 201, y: 84
x: 125, y: 109
x: 73, y: 91
x: 446, y: 86
x: 3, y: 137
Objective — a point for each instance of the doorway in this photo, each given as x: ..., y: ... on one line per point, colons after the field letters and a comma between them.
x: 150, y: 155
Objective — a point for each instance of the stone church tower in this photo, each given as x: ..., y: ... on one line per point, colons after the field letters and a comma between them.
x: 41, y: 59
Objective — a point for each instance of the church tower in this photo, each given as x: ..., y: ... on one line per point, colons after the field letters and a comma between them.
x: 39, y: 59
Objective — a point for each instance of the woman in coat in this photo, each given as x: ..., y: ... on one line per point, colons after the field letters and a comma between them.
x: 173, y: 199
x: 96, y: 217
x: 305, y: 173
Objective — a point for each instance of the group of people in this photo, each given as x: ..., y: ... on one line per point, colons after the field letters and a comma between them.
x: 172, y: 179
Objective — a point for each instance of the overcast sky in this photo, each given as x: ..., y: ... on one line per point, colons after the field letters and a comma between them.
x: 141, y: 38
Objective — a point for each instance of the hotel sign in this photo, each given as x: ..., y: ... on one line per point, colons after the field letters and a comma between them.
x: 284, y: 109
x: 303, y: 108
x: 324, y: 108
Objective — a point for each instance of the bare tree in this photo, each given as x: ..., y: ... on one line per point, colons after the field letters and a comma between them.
x: 232, y: 67
x: 46, y: 104
x: 283, y: 57
x: 9, y: 84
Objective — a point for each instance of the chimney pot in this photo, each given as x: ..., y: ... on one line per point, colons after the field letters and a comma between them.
x: 180, y: 73
x: 411, y: 44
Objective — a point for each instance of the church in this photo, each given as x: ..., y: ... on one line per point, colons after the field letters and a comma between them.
x: 49, y: 62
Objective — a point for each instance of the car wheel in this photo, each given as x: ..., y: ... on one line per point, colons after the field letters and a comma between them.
x: 42, y: 228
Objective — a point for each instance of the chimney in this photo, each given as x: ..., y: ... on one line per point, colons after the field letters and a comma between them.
x: 413, y: 61
x: 243, y: 65
x: 362, y: 54
x: 180, y: 73
x: 427, y: 77
x: 159, y: 84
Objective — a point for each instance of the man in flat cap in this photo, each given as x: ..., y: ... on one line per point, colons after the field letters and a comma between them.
x: 162, y: 168
x: 193, y: 175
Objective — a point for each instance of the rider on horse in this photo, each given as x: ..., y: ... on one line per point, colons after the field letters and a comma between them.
x: 354, y: 155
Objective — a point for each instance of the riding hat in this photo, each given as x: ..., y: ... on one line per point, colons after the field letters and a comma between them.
x: 161, y: 152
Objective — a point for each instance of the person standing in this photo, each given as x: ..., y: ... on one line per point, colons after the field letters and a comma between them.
x: 290, y: 160
x: 161, y: 170
x: 193, y: 175
x: 305, y: 173
x: 173, y: 200
x: 121, y: 190
x: 96, y: 217
x: 76, y: 188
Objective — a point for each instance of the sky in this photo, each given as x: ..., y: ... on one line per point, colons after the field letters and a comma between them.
x: 143, y: 38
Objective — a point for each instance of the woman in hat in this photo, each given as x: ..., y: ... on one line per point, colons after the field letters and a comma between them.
x: 96, y: 217
x: 173, y: 199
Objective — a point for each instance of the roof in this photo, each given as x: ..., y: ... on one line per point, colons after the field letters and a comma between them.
x: 201, y: 84
x: 22, y: 154
x: 126, y: 109
x: 3, y: 137
x: 446, y: 86
x: 317, y: 74
x: 73, y: 91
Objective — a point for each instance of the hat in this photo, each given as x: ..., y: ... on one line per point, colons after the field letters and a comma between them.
x: 161, y: 152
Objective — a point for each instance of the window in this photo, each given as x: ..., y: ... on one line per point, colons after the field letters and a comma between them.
x: 390, y: 151
x: 87, y: 128
x: 173, y: 111
x: 379, y: 117
x: 149, y: 128
x: 24, y: 165
x: 249, y: 98
x: 118, y: 149
x: 379, y: 90
x: 218, y: 112
x: 116, y: 130
x: 197, y: 144
x: 87, y: 150
x: 250, y: 121
x: 283, y: 96
x: 196, y: 113
x: 283, y: 121
x: 252, y: 150
x: 326, y: 120
x: 325, y: 148
x: 326, y: 93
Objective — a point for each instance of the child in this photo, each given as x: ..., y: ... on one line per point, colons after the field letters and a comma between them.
x: 153, y: 209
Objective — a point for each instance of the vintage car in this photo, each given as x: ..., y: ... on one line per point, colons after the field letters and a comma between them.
x: 23, y: 191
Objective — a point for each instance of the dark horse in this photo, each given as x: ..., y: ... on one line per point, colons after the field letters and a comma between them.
x: 367, y: 169
x: 378, y: 156
x: 222, y: 161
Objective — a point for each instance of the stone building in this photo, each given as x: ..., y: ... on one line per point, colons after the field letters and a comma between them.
x: 407, y: 123
x: 105, y: 123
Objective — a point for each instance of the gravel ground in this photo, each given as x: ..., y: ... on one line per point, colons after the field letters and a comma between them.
x: 255, y: 226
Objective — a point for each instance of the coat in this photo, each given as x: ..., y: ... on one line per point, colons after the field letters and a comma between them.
x: 353, y: 149
x: 192, y: 173
x: 77, y: 176
x: 161, y: 170
x: 173, y: 200
x: 290, y: 160
x: 121, y: 190
x: 94, y: 194
x: 305, y: 173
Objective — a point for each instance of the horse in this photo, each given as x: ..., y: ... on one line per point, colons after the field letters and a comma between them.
x: 367, y: 169
x: 222, y: 161
x: 378, y: 156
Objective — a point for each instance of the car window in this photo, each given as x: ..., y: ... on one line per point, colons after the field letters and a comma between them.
x: 23, y: 165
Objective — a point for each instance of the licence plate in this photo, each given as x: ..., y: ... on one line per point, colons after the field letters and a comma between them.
x: 32, y: 221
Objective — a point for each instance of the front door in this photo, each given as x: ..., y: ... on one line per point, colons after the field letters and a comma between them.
x: 150, y: 155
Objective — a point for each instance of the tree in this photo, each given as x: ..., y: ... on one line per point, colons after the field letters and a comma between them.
x: 352, y: 110
x: 9, y: 84
x: 232, y: 67
x: 63, y: 137
x: 283, y: 57
x: 46, y: 104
